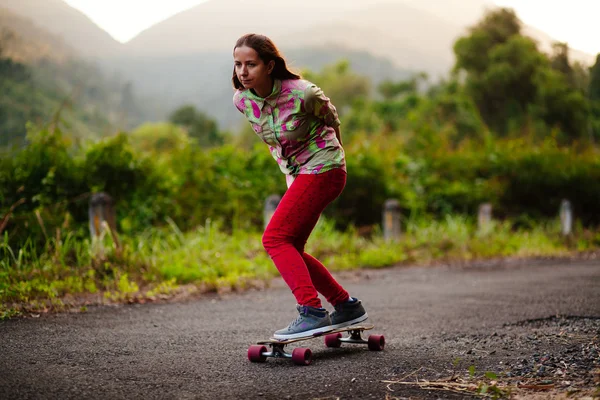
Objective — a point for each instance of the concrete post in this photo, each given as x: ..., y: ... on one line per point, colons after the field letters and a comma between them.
x: 391, y: 220
x: 271, y: 204
x: 566, y: 217
x: 102, y: 218
x: 484, y: 217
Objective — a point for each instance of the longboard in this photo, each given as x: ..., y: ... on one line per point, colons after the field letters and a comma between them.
x: 303, y: 355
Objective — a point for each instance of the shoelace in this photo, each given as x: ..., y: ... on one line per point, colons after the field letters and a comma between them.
x: 296, y: 321
x: 303, y: 313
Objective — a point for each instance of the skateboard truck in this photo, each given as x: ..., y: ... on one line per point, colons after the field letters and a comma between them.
x: 299, y: 356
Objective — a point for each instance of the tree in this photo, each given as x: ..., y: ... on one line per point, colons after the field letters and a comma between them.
x: 198, y: 125
x: 594, y: 96
x: 581, y: 77
x: 495, y: 29
x: 128, y: 103
x: 446, y: 118
x: 340, y: 84
x: 559, y: 105
x: 390, y: 89
x: 576, y: 74
x: 594, y: 85
x: 19, y: 102
x: 399, y: 98
x: 504, y: 83
x: 511, y: 81
x: 161, y: 140
x: 560, y: 60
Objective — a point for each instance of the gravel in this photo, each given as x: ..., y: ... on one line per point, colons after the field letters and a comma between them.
x: 551, y: 357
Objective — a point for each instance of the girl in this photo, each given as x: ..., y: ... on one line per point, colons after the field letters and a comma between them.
x: 301, y: 127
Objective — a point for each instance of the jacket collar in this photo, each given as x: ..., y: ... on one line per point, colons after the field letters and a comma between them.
x: 270, y: 99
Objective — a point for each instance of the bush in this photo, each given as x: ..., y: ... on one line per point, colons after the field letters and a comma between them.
x: 189, y: 185
x: 517, y: 179
x: 366, y: 190
x: 46, y: 178
x: 536, y: 183
x: 142, y: 192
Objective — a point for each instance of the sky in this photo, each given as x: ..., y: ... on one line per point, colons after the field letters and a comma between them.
x: 123, y: 19
x: 572, y: 21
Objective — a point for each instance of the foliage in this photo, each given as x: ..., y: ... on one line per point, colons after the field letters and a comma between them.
x: 160, y: 140
x: 49, y: 91
x: 594, y: 96
x: 132, y: 179
x: 390, y: 89
x: 594, y: 85
x: 340, y: 83
x: 161, y: 262
x: 18, y: 103
x: 445, y: 119
x: 511, y: 81
x: 44, y: 177
x: 198, y: 125
x: 365, y: 192
x: 438, y: 175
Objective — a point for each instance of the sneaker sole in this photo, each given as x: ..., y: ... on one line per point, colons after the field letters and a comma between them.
x: 312, y: 332
x: 351, y: 322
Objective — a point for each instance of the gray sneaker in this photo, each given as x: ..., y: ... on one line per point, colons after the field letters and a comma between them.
x: 348, y: 313
x: 311, y: 322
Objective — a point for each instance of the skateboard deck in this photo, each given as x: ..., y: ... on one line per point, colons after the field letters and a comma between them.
x: 303, y: 356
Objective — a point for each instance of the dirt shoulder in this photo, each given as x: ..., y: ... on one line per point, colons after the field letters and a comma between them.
x: 550, y: 358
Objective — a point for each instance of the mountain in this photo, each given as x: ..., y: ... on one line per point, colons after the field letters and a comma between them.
x: 204, y: 78
x: 412, y: 38
x: 457, y: 12
x: 187, y: 58
x: 215, y: 24
x: 25, y: 42
x: 42, y: 78
x: 74, y: 27
x: 415, y: 34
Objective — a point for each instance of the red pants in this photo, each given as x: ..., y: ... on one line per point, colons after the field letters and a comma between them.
x: 289, y: 229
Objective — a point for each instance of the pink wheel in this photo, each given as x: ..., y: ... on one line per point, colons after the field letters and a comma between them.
x: 333, y: 340
x: 376, y: 342
x: 302, y: 356
x: 255, y: 353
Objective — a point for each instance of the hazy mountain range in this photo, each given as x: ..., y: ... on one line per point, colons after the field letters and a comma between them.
x: 72, y: 25
x: 187, y: 58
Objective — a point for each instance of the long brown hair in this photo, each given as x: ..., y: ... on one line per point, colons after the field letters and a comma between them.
x: 267, y: 51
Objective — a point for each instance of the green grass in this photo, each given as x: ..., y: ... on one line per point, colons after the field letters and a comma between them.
x: 159, y: 263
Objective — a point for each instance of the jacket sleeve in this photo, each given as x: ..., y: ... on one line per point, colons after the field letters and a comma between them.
x: 319, y: 105
x: 238, y: 102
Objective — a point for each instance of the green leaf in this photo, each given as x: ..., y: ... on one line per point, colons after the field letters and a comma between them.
x: 472, y: 370
x: 491, y: 375
x: 483, y: 389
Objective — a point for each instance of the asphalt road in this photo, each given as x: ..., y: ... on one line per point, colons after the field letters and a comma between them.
x: 197, y: 349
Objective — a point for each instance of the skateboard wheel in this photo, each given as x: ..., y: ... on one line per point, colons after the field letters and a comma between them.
x: 255, y: 353
x: 302, y: 356
x: 333, y: 340
x: 376, y: 342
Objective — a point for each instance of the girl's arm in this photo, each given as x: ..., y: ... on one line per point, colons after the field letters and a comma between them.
x: 338, y: 135
x: 318, y: 104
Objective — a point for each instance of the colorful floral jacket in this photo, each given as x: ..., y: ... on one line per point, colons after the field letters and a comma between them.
x: 297, y: 122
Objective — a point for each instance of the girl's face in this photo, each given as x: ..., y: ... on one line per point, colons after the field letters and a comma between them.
x: 252, y: 72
